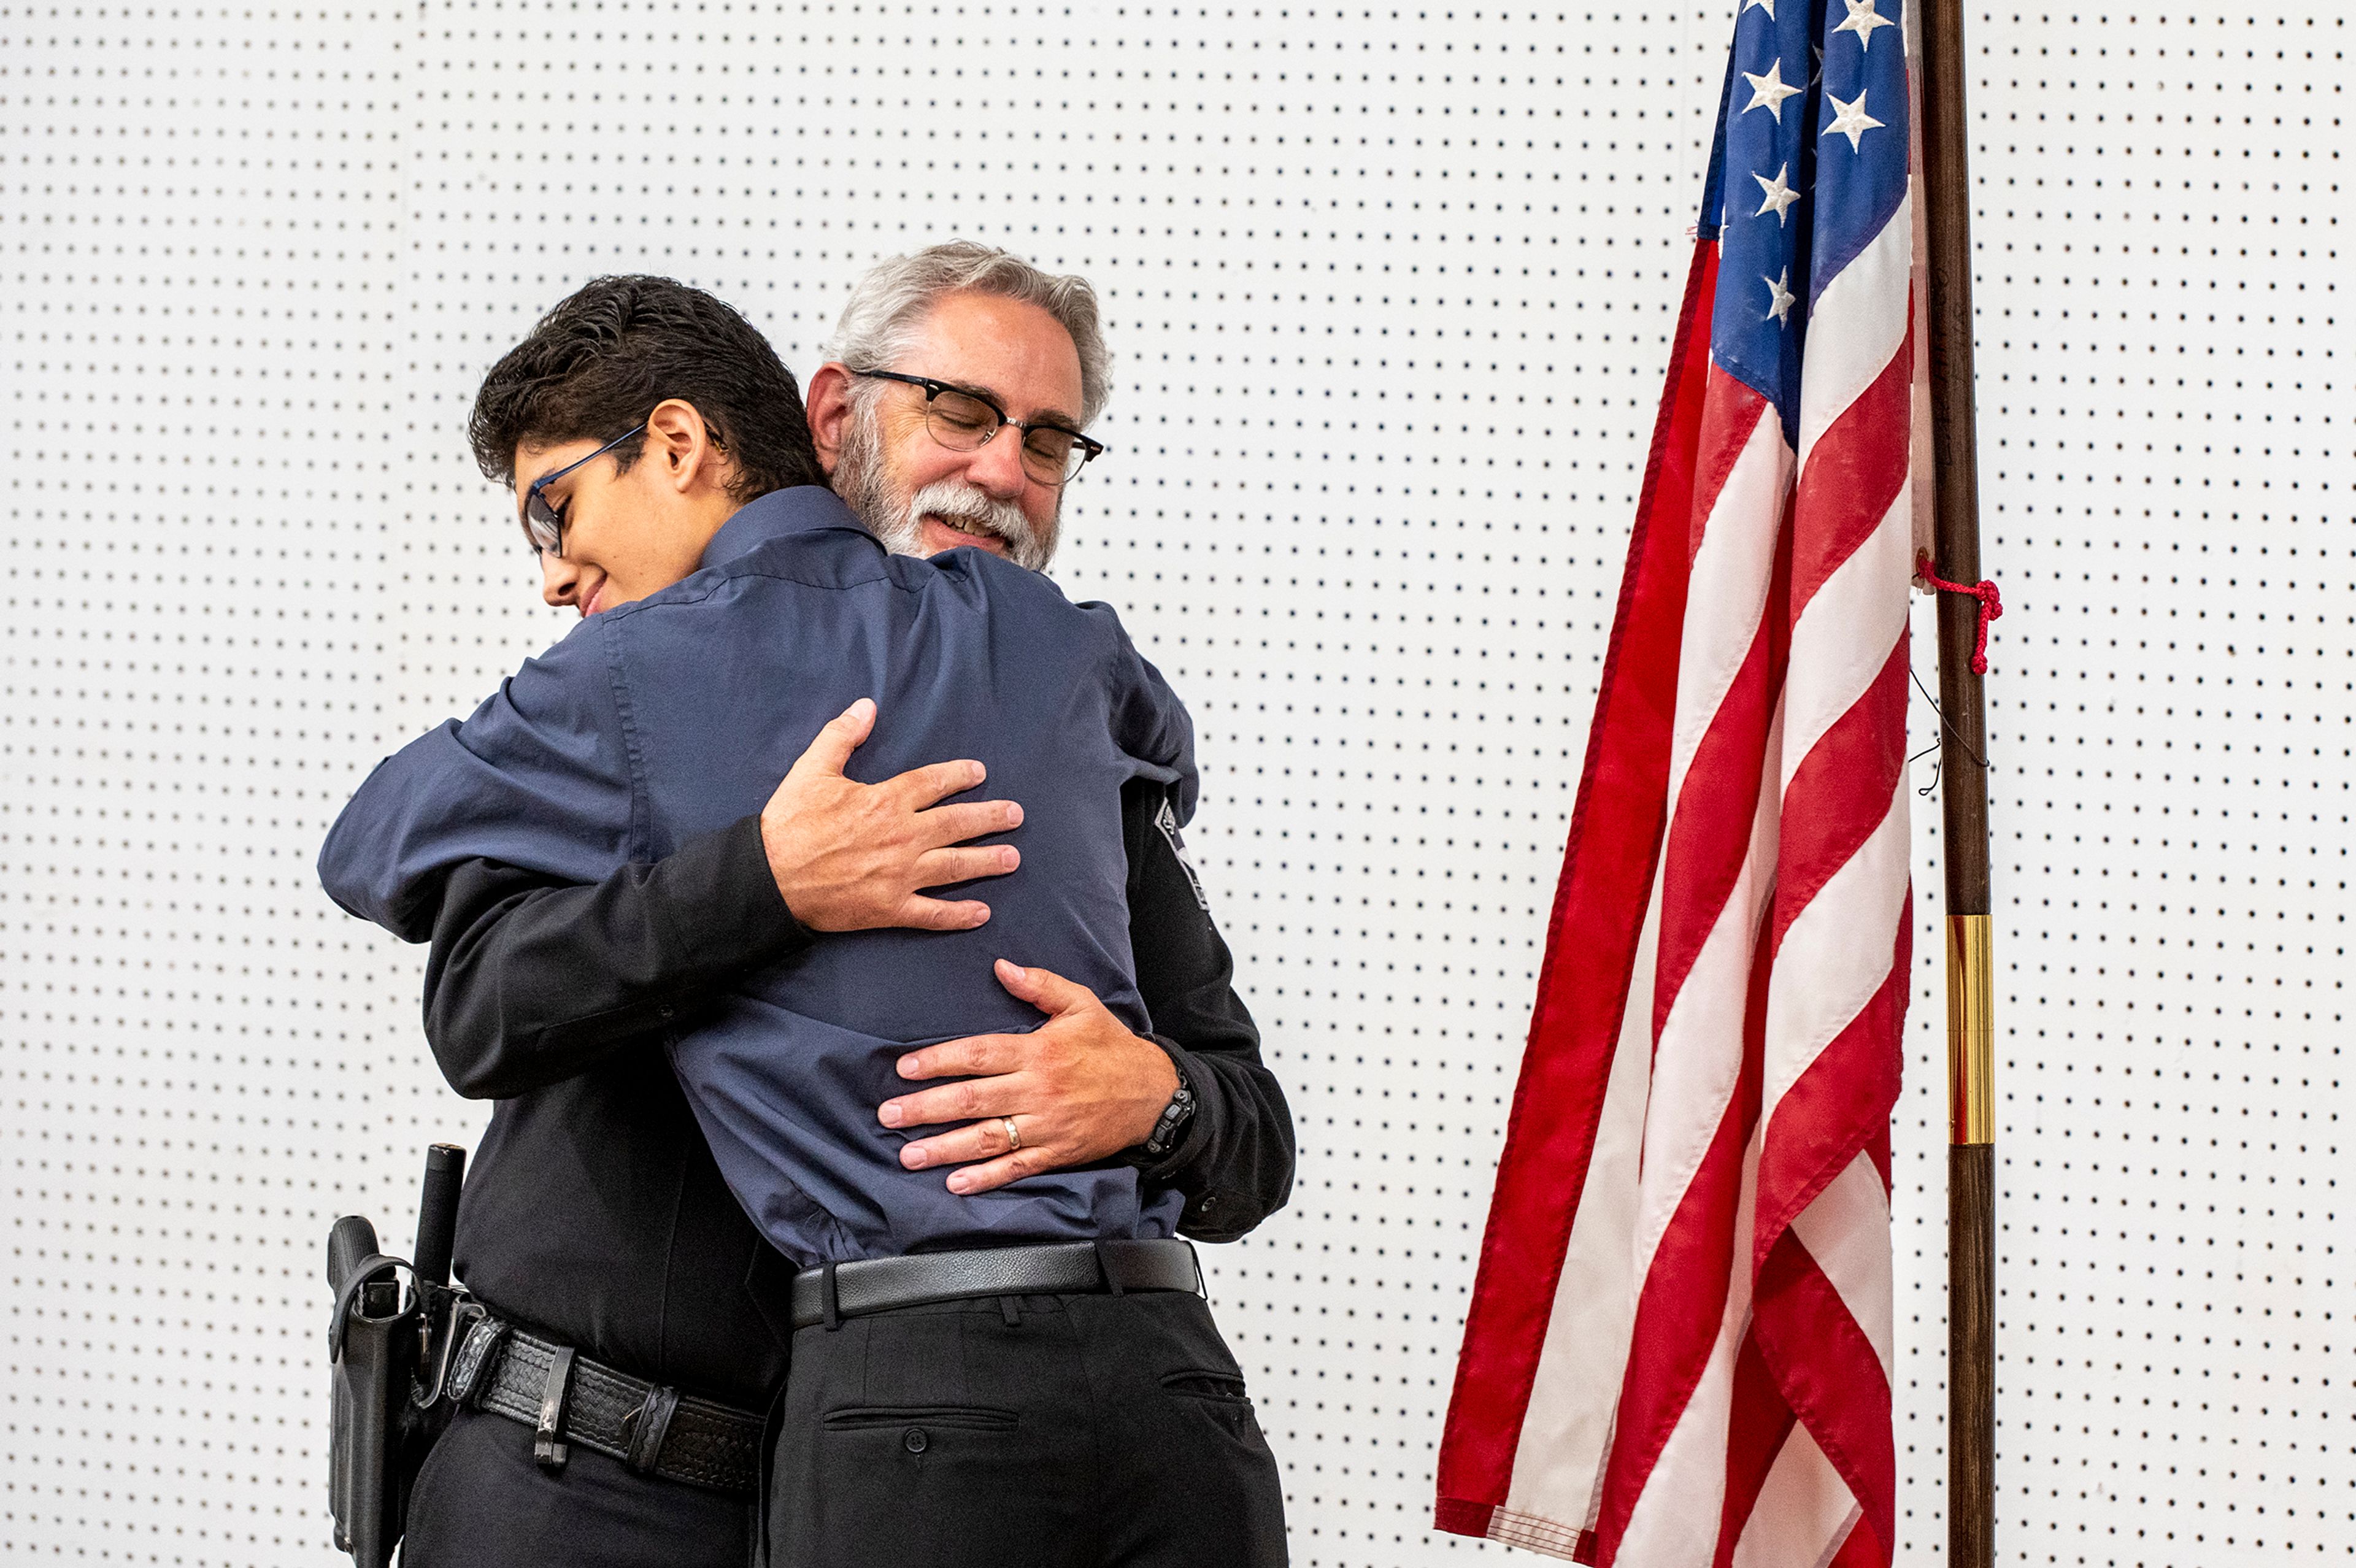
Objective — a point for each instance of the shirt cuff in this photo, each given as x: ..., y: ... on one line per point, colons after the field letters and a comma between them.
x: 1187, y: 1151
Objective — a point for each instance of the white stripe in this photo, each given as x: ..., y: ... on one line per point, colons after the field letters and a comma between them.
x: 1836, y: 955
x: 1846, y: 1231
x: 1855, y: 326
x: 1675, y: 1520
x: 1696, y: 1066
x: 1732, y: 570
x: 1699, y: 1057
x: 1845, y: 634
x: 1567, y: 1431
x: 1803, y: 1512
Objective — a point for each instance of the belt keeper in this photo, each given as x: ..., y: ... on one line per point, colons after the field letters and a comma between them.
x: 831, y: 1302
x: 455, y: 1329
x: 470, y: 1379
x: 1104, y: 1267
x: 546, y: 1448
x: 649, y: 1425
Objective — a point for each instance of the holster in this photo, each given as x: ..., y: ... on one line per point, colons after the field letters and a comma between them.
x: 387, y: 1349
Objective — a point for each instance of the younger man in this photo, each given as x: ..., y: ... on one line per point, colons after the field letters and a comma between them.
x: 665, y: 716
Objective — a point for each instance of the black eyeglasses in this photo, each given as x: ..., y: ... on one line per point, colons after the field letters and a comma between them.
x: 543, y: 520
x: 964, y: 420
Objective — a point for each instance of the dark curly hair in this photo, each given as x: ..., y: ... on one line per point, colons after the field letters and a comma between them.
x: 599, y: 363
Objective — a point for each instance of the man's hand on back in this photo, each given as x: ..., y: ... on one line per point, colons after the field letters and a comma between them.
x: 1080, y: 1087
x: 850, y: 857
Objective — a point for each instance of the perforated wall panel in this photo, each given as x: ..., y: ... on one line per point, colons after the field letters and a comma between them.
x: 1390, y: 291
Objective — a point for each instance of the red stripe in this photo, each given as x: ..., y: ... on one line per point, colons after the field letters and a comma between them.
x: 1758, y: 1423
x: 1462, y: 1518
x: 1832, y: 1380
x: 1824, y: 1363
x: 1861, y: 1551
x: 1679, y: 1314
x: 1709, y: 836
x: 1835, y: 1109
x: 1682, y: 1304
x: 1718, y: 800
x: 1731, y: 413
x: 1855, y: 472
x: 1841, y: 792
x: 1590, y: 947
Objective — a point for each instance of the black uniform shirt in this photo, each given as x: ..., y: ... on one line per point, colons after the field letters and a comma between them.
x: 593, y: 1212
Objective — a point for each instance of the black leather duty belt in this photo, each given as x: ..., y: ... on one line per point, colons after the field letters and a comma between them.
x: 837, y: 1291
x: 567, y: 1398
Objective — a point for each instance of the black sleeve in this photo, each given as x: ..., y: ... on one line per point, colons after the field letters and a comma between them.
x: 530, y: 983
x: 1233, y: 1161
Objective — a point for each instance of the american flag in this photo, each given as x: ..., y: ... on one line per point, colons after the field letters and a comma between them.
x: 1677, y: 1353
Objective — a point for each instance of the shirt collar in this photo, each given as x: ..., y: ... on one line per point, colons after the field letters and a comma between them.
x: 803, y: 509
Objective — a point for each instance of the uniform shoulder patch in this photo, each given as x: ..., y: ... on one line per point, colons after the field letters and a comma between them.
x: 1166, y: 819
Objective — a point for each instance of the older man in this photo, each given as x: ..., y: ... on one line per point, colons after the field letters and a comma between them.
x: 961, y: 374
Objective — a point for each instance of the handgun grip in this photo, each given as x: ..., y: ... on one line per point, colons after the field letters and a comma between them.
x: 352, y: 1240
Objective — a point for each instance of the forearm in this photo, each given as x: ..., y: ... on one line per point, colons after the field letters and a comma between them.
x: 1233, y: 1160
x: 530, y: 983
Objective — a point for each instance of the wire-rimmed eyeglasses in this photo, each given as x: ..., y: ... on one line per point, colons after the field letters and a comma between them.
x: 543, y: 519
x: 964, y: 420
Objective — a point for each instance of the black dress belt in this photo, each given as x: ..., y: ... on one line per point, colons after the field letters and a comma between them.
x: 567, y: 1398
x: 837, y: 1291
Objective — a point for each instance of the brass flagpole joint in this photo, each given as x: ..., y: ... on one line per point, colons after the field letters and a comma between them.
x: 1971, y: 1031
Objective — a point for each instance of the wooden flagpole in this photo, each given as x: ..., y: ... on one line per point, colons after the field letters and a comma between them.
x: 1971, y: 1155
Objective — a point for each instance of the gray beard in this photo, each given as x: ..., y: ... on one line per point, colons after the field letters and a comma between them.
x: 896, y: 518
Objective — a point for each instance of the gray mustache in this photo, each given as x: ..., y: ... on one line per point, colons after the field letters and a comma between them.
x: 964, y: 503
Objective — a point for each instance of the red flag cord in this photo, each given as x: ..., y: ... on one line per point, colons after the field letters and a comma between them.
x: 1991, y: 606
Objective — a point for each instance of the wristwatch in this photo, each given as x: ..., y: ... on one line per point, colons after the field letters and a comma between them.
x: 1173, y: 1119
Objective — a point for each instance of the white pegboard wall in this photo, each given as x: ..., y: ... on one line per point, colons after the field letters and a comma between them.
x: 1388, y: 291
x: 2164, y: 418
x: 200, y: 252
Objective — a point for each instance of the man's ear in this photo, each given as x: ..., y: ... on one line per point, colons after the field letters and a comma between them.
x: 678, y: 439
x: 827, y: 403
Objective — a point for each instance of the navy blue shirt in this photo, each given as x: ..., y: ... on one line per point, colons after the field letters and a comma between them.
x: 676, y: 715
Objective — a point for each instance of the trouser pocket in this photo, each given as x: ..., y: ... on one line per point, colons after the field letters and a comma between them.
x: 1225, y: 1388
x: 964, y: 1418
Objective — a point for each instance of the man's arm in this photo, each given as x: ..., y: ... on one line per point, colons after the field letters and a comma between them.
x: 1081, y: 1088
x: 529, y: 984
x: 1234, y: 1160
x: 532, y: 977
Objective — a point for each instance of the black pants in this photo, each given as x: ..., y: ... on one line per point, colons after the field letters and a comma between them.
x: 482, y: 1502
x: 1038, y: 1432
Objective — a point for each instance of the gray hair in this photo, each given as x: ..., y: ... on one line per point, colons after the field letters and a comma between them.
x: 885, y: 306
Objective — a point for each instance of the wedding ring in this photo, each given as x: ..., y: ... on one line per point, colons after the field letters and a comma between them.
x: 1013, y: 1134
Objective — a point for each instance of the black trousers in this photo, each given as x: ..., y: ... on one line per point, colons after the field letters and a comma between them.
x: 480, y: 1501
x: 1033, y: 1432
